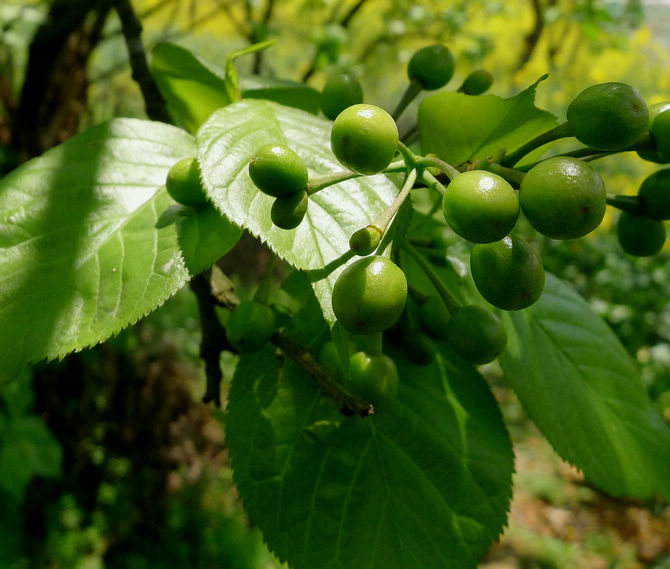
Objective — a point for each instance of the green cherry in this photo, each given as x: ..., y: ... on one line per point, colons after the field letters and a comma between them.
x: 563, y: 197
x: 431, y: 67
x: 507, y: 273
x: 184, y: 185
x: 364, y: 138
x: 608, y: 116
x: 277, y: 171
x: 476, y: 334
x: 340, y: 91
x: 480, y: 206
x: 369, y: 295
x: 640, y: 235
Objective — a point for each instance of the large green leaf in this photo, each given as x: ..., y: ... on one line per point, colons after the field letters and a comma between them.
x: 582, y: 390
x: 192, y: 86
x: 229, y: 139
x: 425, y: 483
x: 86, y: 243
x: 459, y: 128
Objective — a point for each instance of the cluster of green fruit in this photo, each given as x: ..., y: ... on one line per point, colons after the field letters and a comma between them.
x: 562, y: 197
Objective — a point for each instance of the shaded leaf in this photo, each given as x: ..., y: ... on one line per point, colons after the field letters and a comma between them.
x: 582, y: 390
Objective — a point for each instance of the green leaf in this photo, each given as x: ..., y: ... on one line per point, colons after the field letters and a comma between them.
x: 424, y: 483
x: 85, y: 246
x: 460, y: 128
x: 283, y: 91
x: 226, y: 144
x: 192, y: 87
x: 582, y: 390
x: 28, y: 448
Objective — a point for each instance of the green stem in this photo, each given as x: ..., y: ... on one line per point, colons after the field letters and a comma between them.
x: 432, y: 182
x: 413, y: 89
x: 450, y: 301
x: 561, y: 131
x: 381, y: 223
x: 320, y: 182
x: 512, y: 175
x: 447, y: 168
x: 630, y: 204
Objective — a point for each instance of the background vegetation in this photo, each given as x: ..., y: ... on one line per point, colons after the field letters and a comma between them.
x: 109, y: 459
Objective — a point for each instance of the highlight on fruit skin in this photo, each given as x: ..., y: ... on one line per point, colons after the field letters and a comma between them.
x: 364, y: 138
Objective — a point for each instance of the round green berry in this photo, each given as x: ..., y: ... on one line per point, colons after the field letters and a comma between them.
x: 653, y: 155
x: 480, y: 206
x: 431, y: 67
x: 507, y: 273
x: 250, y: 326
x: 608, y: 116
x: 660, y: 130
x: 563, y: 197
x: 476, y: 334
x: 369, y: 295
x: 184, y: 185
x: 277, y: 170
x: 640, y: 235
x: 364, y: 138
x: 365, y: 240
x: 288, y: 211
x: 654, y: 193
x: 340, y: 91
x: 477, y: 82
x: 374, y: 377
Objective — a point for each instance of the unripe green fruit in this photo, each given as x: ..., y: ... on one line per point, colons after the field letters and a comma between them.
x: 365, y: 240
x: 654, y: 193
x: 563, y: 197
x: 653, y: 155
x: 434, y: 317
x: 369, y: 295
x: 660, y: 129
x: 340, y: 91
x: 608, y: 116
x: 476, y: 334
x: 277, y: 170
x: 507, y: 273
x: 640, y: 235
x: 184, y: 185
x: 431, y: 66
x: 477, y: 82
x: 374, y: 377
x: 288, y: 211
x: 480, y: 206
x: 364, y: 138
x: 250, y: 326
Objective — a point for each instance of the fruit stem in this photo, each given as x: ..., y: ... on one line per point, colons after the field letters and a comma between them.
x: 450, y: 301
x: 562, y: 130
x: 512, y: 175
x: 447, y: 168
x: 413, y: 89
x: 432, y: 182
x: 320, y: 182
x: 381, y: 223
x: 630, y: 204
